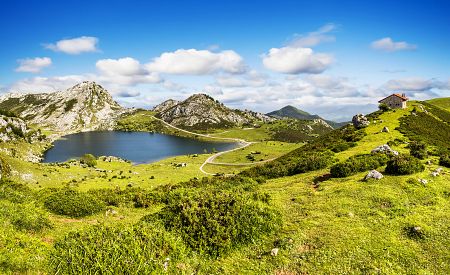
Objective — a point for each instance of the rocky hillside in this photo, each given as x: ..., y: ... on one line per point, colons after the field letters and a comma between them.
x: 292, y: 112
x: 14, y: 128
x: 201, y: 111
x: 84, y: 107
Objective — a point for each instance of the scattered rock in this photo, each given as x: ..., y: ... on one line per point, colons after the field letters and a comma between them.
x: 274, y: 252
x: 111, y: 159
x: 373, y: 174
x: 360, y: 121
x: 385, y: 129
x: 384, y: 149
x: 166, y: 264
x: 423, y: 181
x: 111, y: 212
x: 434, y: 174
x: 439, y: 169
x: 182, y: 164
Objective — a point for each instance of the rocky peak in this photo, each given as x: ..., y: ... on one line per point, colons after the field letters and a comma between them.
x: 83, y: 107
x: 165, y: 105
x: 202, y: 111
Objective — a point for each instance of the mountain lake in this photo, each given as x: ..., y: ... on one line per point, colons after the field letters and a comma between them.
x: 138, y: 147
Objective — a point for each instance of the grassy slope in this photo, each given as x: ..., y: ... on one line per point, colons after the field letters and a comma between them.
x: 441, y: 102
x: 341, y: 226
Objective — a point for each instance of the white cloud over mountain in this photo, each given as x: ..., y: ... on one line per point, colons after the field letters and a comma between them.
x: 291, y: 60
x: 126, y: 71
x: 388, y: 45
x: 75, y: 45
x: 197, y: 62
x: 33, y: 65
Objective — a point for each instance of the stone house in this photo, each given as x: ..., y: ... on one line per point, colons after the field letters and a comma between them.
x: 395, y: 101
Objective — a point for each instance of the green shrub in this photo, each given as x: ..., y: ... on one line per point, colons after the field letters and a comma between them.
x: 26, y: 217
x: 21, y: 253
x: 116, y: 197
x: 383, y: 107
x: 404, y: 165
x: 73, y: 203
x: 213, y: 223
x: 288, y: 165
x: 138, y: 249
x: 358, y: 163
x: 444, y: 160
x: 418, y: 149
x: 14, y: 192
x: 89, y: 160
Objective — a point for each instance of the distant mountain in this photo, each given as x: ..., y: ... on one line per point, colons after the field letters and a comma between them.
x: 201, y: 111
x: 84, y: 107
x: 292, y: 112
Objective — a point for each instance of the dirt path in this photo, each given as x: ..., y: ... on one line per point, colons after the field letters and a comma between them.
x: 242, y: 144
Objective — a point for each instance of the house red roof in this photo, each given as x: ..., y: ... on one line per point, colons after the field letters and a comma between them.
x: 402, y: 97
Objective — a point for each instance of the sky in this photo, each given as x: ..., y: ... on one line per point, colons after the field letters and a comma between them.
x: 332, y: 58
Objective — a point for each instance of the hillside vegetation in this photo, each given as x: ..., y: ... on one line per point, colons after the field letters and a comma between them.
x: 292, y: 215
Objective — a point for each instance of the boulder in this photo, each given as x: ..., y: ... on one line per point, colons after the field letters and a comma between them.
x: 385, y: 149
x: 360, y: 121
x: 423, y: 181
x: 373, y: 174
x: 274, y: 252
x: 385, y: 129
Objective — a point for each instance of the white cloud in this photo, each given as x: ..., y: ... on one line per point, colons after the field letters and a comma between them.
x: 291, y: 60
x: 250, y: 79
x: 314, y: 38
x: 47, y: 84
x: 125, y: 71
x: 172, y: 86
x: 33, y: 65
x: 388, y: 45
x: 410, y: 84
x: 197, y: 62
x: 75, y: 45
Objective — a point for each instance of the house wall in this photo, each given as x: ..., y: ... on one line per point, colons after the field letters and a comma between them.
x: 394, y: 102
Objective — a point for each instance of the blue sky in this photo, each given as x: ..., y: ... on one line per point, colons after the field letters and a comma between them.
x: 333, y: 58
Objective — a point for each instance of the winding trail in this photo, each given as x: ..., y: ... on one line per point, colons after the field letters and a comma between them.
x: 241, y: 144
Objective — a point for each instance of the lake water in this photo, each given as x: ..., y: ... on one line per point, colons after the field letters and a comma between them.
x: 138, y: 147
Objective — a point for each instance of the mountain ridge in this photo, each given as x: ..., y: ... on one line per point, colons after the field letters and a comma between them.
x: 202, y: 111
x: 290, y: 111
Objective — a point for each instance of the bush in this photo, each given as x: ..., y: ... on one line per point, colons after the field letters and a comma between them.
x: 138, y: 249
x: 418, y: 149
x: 116, y: 197
x: 383, y: 107
x: 288, y: 165
x: 358, y: 163
x: 444, y: 160
x: 73, y: 203
x: 26, y: 217
x: 89, y: 160
x: 404, y: 165
x: 213, y: 223
x: 14, y: 192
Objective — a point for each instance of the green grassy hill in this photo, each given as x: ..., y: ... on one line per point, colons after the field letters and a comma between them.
x: 293, y: 215
x: 441, y: 102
